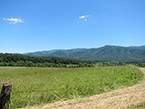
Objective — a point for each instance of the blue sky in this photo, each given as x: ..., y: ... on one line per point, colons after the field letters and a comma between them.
x: 36, y: 25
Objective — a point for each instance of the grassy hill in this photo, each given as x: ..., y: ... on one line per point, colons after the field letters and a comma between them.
x: 105, y: 53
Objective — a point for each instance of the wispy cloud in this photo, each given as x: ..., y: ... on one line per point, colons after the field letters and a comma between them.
x: 84, y: 17
x: 14, y: 20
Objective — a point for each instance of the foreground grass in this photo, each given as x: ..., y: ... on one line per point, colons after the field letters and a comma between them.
x: 139, y: 106
x: 34, y: 86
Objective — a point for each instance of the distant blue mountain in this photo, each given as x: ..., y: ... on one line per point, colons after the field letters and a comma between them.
x: 105, y: 53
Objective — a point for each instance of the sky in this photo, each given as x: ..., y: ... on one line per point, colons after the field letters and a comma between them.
x: 37, y: 25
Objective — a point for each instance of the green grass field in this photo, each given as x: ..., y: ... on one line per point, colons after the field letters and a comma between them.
x: 35, y: 86
x: 139, y: 106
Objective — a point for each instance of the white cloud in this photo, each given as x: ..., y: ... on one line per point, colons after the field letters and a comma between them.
x: 13, y: 20
x: 84, y: 17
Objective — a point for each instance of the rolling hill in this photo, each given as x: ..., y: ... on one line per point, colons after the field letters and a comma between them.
x: 105, y: 53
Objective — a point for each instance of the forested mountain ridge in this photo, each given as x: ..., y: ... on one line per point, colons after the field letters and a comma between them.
x: 105, y: 53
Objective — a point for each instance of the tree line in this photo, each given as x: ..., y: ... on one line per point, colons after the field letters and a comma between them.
x: 8, y: 59
x: 45, y: 61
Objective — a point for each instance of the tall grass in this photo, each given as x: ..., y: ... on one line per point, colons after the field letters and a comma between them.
x: 139, y: 106
x: 34, y: 86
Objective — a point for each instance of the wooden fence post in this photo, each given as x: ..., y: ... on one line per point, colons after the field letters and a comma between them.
x: 5, y: 96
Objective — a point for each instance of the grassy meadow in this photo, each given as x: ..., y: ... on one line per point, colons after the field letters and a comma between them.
x: 139, y: 106
x: 35, y: 86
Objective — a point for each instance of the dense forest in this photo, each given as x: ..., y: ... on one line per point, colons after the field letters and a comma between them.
x: 47, y: 61
x: 37, y: 61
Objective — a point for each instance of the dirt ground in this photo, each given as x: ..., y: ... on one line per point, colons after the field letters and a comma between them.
x: 118, y: 99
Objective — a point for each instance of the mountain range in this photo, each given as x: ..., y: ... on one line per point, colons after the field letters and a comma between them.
x: 105, y: 53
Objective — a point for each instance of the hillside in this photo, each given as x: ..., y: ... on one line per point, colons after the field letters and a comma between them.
x: 105, y: 53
